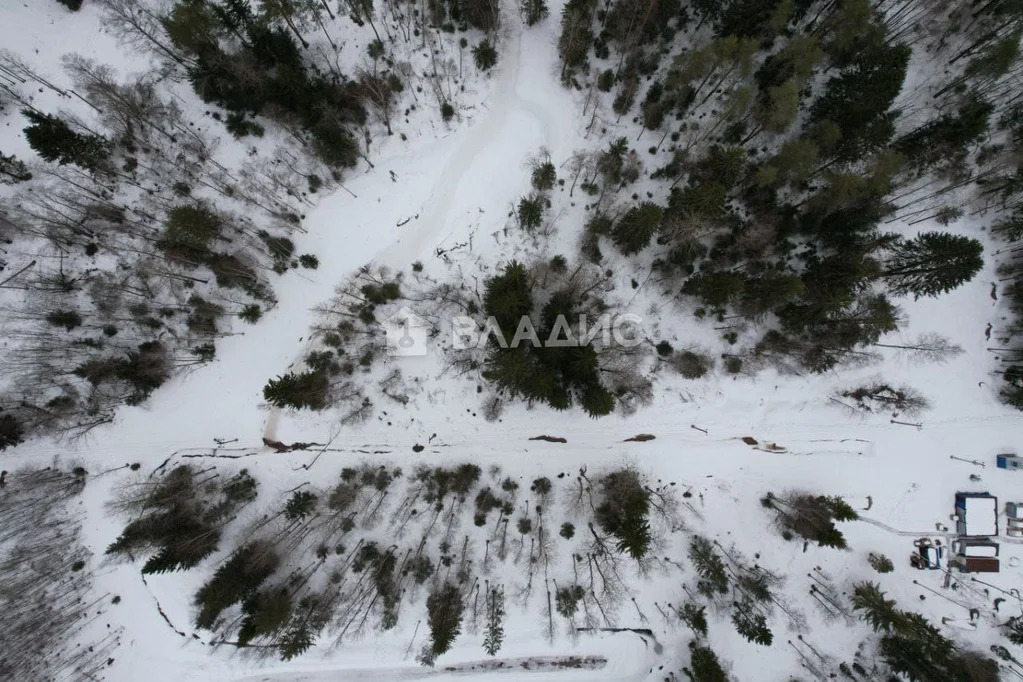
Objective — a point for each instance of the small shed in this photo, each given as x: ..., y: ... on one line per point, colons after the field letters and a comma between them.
x: 969, y: 564
x: 976, y: 514
x: 1014, y: 511
x: 1009, y: 461
x: 975, y: 548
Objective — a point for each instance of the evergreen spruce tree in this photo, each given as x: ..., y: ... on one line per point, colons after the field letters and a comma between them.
x: 623, y: 512
x: 857, y: 100
x: 709, y: 566
x: 235, y: 581
x: 881, y: 613
x: 508, y: 297
x: 531, y: 211
x: 1014, y: 630
x: 444, y: 611
x: 1012, y: 392
x: 534, y: 11
x: 11, y: 432
x: 932, y: 264
x: 544, y: 176
x: 485, y: 55
x: 296, y: 641
x: 307, y: 390
x: 482, y: 14
x: 265, y: 613
x: 704, y: 665
x: 596, y: 400
x: 494, y: 633
x: 948, y: 136
x: 880, y: 563
x: 812, y: 517
x: 576, y: 36
x: 716, y: 288
x: 637, y: 227
x: 301, y: 504
x: 695, y: 616
x: 751, y: 623
x: 54, y: 140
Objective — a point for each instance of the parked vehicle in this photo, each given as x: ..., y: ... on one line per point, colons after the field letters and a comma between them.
x: 929, y: 555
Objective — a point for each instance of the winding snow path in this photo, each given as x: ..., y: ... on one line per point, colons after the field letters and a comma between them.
x: 527, y: 110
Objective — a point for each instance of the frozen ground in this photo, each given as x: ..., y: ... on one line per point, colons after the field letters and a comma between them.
x: 462, y: 184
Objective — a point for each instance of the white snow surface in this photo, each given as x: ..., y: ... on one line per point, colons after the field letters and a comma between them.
x: 462, y: 183
x: 981, y: 515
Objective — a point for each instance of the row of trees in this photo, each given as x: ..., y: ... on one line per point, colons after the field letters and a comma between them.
x: 48, y: 606
x: 914, y: 648
x: 178, y: 518
x: 347, y: 557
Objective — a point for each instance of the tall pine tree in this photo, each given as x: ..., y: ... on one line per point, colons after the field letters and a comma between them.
x: 933, y: 263
x: 494, y: 635
x: 54, y: 140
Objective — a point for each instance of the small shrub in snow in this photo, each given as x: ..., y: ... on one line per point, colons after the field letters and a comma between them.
x: 301, y: 504
x: 881, y: 397
x: 68, y: 319
x: 691, y: 365
x: 880, y: 563
x: 239, y: 126
x: 541, y: 486
x: 251, y: 313
x: 493, y: 408
x: 530, y: 212
x: 544, y: 176
x: 485, y: 55
x: 567, y: 599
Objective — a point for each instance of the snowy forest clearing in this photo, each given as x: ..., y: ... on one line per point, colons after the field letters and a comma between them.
x: 447, y: 197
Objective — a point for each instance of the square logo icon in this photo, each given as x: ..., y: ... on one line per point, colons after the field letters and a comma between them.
x: 406, y: 333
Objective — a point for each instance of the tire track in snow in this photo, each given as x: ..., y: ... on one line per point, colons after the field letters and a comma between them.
x: 490, y: 132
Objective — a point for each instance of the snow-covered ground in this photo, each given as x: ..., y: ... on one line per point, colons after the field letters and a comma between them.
x: 462, y: 183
